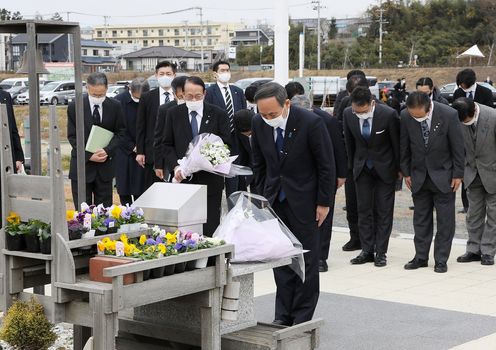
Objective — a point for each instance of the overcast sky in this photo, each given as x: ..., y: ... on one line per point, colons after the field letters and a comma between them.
x: 249, y: 12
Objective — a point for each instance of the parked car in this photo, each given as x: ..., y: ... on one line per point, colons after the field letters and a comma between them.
x: 15, y: 94
x: 55, y: 92
x: 13, y: 84
x: 244, y: 83
x: 23, y: 98
x: 493, y: 90
x: 114, y: 90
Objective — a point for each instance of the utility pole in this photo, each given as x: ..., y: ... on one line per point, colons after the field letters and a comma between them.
x: 201, y: 39
x: 381, y: 32
x: 318, y: 7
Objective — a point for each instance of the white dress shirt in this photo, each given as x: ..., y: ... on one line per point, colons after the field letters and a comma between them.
x: 199, y: 117
x: 162, y: 95
x: 282, y: 126
x: 223, y: 91
x: 429, y: 115
x: 100, y: 110
x: 471, y: 89
x: 369, y: 119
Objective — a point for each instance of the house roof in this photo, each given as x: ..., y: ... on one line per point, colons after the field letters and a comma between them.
x: 42, y: 38
x: 162, y: 52
x: 96, y: 43
x: 98, y: 60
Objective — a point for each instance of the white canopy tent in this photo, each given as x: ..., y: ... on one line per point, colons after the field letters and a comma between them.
x: 474, y: 51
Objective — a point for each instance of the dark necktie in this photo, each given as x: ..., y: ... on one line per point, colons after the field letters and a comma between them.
x: 229, y: 109
x: 366, y: 129
x: 96, y: 115
x: 473, y: 131
x: 279, y: 146
x: 470, y: 95
x: 425, y: 132
x: 167, y: 97
x: 194, y: 124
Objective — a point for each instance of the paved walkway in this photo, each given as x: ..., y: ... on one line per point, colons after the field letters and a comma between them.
x: 366, y: 307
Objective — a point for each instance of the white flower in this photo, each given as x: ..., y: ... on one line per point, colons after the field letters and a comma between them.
x: 84, y: 207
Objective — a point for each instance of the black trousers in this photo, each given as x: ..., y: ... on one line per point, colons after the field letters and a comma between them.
x: 425, y: 200
x: 97, y: 192
x: 351, y: 207
x: 150, y: 177
x: 375, y: 200
x: 325, y: 231
x: 213, y: 213
x: 296, y: 301
x: 464, y: 197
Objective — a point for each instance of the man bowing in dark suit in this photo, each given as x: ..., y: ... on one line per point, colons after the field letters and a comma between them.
x: 432, y: 162
x: 183, y: 123
x: 165, y: 72
x: 106, y: 113
x: 372, y: 134
x: 292, y: 170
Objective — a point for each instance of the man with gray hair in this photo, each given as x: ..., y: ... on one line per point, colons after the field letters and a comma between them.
x: 292, y: 170
x: 129, y: 176
x: 479, y: 135
x: 105, y: 113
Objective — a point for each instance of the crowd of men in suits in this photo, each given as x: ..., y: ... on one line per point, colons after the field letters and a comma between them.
x: 300, y: 156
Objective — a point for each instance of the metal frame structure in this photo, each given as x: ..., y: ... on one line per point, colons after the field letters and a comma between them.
x: 32, y: 28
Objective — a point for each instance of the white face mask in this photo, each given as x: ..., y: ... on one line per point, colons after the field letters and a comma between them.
x: 96, y: 100
x: 134, y: 98
x: 367, y: 115
x: 194, y: 105
x: 420, y: 120
x: 224, y: 77
x: 275, y: 122
x: 165, y: 81
x: 180, y: 101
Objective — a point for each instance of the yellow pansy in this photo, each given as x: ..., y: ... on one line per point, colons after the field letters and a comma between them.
x: 171, y: 238
x: 162, y: 248
x: 13, y: 218
x: 101, y: 246
x: 69, y: 214
x: 128, y: 250
x: 123, y: 238
x: 142, y: 240
x: 116, y: 211
x: 106, y: 240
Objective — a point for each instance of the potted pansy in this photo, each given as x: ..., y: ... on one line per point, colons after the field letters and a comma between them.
x: 30, y: 232
x: 14, y: 238
x: 45, y: 237
x: 131, y: 218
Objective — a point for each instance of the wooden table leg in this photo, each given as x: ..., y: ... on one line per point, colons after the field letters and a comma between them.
x: 210, y: 322
x: 104, y: 324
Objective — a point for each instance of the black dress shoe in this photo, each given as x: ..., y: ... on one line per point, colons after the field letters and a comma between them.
x: 468, y: 257
x: 363, y: 258
x: 281, y: 323
x: 380, y: 260
x: 352, y: 245
x: 415, y: 264
x: 440, y: 267
x: 487, y: 259
x: 323, y: 266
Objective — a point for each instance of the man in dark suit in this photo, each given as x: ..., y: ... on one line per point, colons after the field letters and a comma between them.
x: 165, y: 72
x: 432, y: 162
x: 296, y: 93
x: 183, y: 123
x: 159, y: 138
x: 129, y: 176
x: 466, y: 80
x: 372, y: 134
x: 292, y: 170
x: 343, y: 93
x: 15, y: 140
x: 106, y: 113
x: 231, y: 99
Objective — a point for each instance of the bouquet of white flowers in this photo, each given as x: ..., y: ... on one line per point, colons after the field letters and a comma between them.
x: 207, y: 152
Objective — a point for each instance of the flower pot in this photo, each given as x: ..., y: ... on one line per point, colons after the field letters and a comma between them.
x: 201, y: 263
x: 89, y: 234
x: 180, y: 267
x: 190, y: 265
x: 124, y: 228
x: 112, y: 230
x: 169, y: 270
x: 99, y: 232
x: 74, y: 235
x: 146, y: 275
x: 46, y: 246
x: 157, y: 272
x: 32, y: 243
x: 134, y: 227
x: 16, y: 242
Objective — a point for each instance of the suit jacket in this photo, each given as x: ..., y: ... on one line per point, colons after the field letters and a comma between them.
x: 145, y: 124
x: 112, y: 120
x: 216, y: 97
x: 383, y: 146
x: 480, y: 154
x: 303, y: 169
x: 335, y: 130
x: 15, y: 140
x: 178, y: 135
x: 159, y: 137
x: 482, y: 95
x: 442, y: 159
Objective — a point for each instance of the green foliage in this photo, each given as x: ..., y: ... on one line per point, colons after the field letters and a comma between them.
x: 26, y: 327
x: 6, y: 15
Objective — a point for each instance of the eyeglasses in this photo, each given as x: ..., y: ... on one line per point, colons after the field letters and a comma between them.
x: 197, y: 97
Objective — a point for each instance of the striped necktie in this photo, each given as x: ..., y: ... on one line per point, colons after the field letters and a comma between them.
x: 229, y: 109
